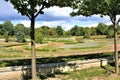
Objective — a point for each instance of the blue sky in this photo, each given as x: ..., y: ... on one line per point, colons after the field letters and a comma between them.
x: 52, y: 17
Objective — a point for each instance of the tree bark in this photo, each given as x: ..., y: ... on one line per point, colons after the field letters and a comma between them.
x: 33, y: 61
x: 115, y: 49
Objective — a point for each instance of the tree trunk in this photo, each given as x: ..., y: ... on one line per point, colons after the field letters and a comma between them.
x: 115, y: 49
x: 33, y: 62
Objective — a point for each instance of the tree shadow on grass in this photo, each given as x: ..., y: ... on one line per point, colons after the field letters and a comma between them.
x: 107, y: 71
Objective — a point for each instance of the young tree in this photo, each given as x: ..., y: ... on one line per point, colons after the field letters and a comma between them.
x: 53, y: 32
x: 39, y: 37
x: 59, y: 30
x: 6, y: 37
x: 102, y: 29
x: 20, y: 36
x: 110, y: 8
x: 8, y: 26
x: 45, y: 31
x: 31, y: 9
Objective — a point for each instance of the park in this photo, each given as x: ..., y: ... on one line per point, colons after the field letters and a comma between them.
x: 53, y: 53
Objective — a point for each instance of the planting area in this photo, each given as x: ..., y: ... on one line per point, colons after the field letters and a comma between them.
x: 56, y: 47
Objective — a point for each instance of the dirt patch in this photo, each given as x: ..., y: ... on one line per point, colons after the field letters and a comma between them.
x: 56, y: 44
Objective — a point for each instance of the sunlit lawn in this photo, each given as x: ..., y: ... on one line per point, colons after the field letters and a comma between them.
x: 98, y: 73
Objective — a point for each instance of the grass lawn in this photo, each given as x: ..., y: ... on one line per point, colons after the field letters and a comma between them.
x: 98, y: 73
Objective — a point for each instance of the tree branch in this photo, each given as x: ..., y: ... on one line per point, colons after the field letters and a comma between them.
x: 40, y: 9
x: 28, y: 16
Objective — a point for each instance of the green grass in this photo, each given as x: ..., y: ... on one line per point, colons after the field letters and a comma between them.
x: 86, y: 45
x: 96, y: 73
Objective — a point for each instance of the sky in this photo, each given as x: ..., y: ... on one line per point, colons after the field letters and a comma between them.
x: 52, y: 17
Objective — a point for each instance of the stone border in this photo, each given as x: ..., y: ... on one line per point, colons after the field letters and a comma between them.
x: 50, y: 68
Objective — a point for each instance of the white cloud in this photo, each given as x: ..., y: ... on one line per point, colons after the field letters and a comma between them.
x: 27, y: 23
x: 65, y: 25
x: 56, y: 11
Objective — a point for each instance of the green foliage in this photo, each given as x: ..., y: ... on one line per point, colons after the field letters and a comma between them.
x: 39, y: 37
x: 87, y: 33
x: 80, y: 31
x: 110, y: 34
x: 20, y: 37
x: 6, y: 35
x: 53, y: 32
x: 8, y: 27
x: 22, y: 28
x: 29, y: 7
x: 86, y: 36
x: 45, y: 31
x: 59, y: 31
x: 102, y: 29
x: 1, y: 29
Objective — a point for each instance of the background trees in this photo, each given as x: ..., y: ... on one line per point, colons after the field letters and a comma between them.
x: 47, y: 31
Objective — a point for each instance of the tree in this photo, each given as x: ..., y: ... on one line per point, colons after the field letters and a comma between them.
x: 20, y: 32
x: 59, y: 31
x: 110, y: 33
x: 87, y: 33
x: 31, y: 9
x: 6, y: 37
x: 86, y: 36
x: 8, y: 27
x: 77, y: 31
x: 19, y: 27
x: 20, y: 36
x: 53, y: 32
x: 74, y: 30
x: 45, y: 31
x: 1, y: 29
x: 110, y: 8
x: 93, y: 31
x: 102, y: 29
x: 39, y: 37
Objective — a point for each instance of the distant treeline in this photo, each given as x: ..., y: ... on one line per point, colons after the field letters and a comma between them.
x: 46, y: 31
